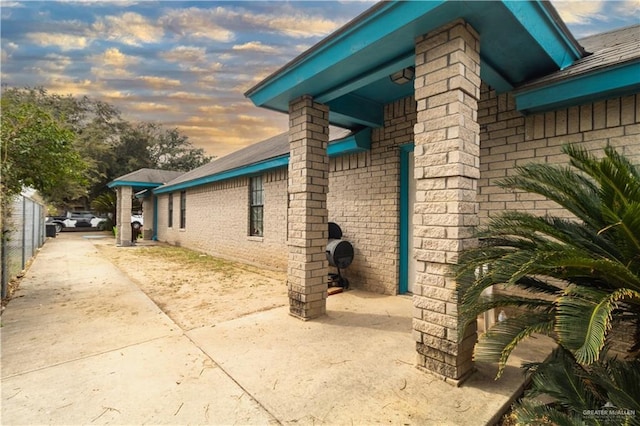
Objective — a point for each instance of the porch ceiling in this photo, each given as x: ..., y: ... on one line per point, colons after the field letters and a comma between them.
x: 349, y: 71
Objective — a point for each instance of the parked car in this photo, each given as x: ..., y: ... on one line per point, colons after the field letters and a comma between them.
x: 77, y: 220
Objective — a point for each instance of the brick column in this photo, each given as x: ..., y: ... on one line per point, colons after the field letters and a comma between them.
x: 308, y: 223
x: 447, y: 89
x: 123, y: 216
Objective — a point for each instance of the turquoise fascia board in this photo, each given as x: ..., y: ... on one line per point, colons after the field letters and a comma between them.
x: 405, y: 150
x: 535, y: 18
x: 386, y: 19
x: 117, y: 183
x: 259, y: 167
x: 395, y: 16
x: 359, y: 142
x: 590, y: 87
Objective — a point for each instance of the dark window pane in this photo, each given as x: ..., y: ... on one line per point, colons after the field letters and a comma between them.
x: 256, y: 201
x: 183, y: 209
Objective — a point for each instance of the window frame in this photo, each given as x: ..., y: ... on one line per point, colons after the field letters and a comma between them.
x: 170, y: 211
x: 183, y: 209
x: 256, y: 206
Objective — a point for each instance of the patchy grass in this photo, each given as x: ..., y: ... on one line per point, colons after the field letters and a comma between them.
x: 196, y: 289
x: 191, y: 259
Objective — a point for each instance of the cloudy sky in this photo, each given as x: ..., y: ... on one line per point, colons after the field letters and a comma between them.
x: 186, y: 64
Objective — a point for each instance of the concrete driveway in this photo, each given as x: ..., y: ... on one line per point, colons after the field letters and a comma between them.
x: 82, y: 344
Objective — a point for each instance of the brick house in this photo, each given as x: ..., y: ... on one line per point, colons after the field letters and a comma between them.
x: 439, y: 100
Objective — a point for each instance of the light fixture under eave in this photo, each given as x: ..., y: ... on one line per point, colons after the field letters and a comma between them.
x: 403, y: 76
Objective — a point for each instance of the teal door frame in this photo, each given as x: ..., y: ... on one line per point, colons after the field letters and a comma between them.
x: 405, y: 249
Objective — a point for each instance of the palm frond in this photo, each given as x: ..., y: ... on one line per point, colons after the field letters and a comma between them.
x: 584, y: 318
x: 497, y: 344
x: 566, y: 381
x: 570, y: 190
x: 575, y: 389
x: 471, y: 311
x: 528, y: 413
x: 620, y: 381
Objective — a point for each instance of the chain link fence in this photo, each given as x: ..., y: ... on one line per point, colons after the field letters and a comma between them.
x: 24, y: 233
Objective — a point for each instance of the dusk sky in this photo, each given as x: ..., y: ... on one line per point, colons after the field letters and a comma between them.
x: 187, y: 64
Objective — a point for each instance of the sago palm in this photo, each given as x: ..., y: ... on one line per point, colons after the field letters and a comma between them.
x: 606, y: 392
x: 576, y: 277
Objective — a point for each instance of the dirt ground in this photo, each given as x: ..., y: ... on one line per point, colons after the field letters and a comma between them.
x: 196, y: 289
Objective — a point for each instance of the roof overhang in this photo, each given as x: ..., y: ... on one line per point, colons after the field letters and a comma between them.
x: 349, y: 70
x: 354, y: 143
x: 600, y: 84
x: 136, y: 185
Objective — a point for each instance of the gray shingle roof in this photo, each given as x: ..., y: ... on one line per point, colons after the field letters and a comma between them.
x: 607, y: 50
x: 261, y: 151
x: 149, y: 176
x: 274, y: 147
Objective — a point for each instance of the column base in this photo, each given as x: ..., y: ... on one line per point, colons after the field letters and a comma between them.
x: 453, y: 382
x: 306, y: 310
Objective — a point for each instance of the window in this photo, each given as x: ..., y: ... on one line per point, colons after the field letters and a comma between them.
x: 170, y: 224
x: 183, y: 209
x: 256, y: 200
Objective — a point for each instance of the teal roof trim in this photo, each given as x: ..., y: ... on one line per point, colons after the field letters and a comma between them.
x: 381, y: 22
x: 349, y: 70
x: 262, y: 166
x: 354, y: 143
x: 591, y: 87
x: 117, y: 183
x: 359, y: 142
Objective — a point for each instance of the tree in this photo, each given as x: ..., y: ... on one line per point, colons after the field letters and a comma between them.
x: 173, y: 151
x: 577, y: 278
x: 37, y: 150
x: 108, y: 145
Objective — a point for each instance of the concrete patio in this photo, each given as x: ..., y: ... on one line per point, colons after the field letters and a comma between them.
x: 81, y: 343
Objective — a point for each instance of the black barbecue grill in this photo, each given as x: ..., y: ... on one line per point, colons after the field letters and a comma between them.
x: 339, y: 254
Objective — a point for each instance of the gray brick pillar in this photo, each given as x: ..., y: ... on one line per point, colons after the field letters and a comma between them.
x: 308, y: 223
x: 447, y: 89
x: 123, y: 215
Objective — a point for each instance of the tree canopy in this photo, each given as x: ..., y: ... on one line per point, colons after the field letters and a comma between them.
x: 38, y: 150
x: 70, y: 147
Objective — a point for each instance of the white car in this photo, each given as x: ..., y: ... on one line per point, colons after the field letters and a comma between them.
x: 77, y: 220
